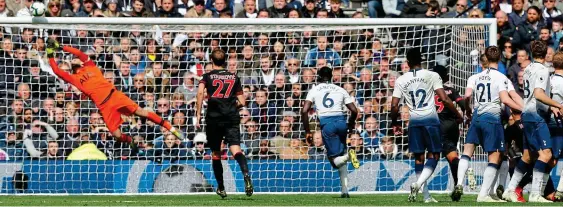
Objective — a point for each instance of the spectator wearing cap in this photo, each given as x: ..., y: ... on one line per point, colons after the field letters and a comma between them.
x: 249, y: 10
x: 111, y: 9
x: 13, y: 145
x: 199, y: 152
x: 199, y: 10
x: 460, y: 7
x: 322, y: 51
x: 139, y: 10
x: 529, y: 29
x: 310, y: 9
x: 518, y: 14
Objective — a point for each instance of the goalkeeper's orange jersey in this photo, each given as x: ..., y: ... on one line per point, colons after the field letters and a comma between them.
x: 88, y: 79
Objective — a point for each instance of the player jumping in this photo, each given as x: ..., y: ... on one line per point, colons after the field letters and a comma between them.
x: 418, y: 87
x: 222, y: 118
x: 490, y: 89
x: 537, y: 137
x: 329, y: 100
x: 112, y: 103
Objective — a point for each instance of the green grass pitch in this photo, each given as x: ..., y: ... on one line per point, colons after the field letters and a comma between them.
x: 242, y: 200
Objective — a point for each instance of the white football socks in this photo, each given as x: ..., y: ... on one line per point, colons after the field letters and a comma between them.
x: 461, y: 170
x: 343, y: 172
x: 488, y: 178
x: 341, y: 160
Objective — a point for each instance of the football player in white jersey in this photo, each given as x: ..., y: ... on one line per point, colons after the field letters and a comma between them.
x: 329, y: 101
x: 490, y: 89
x: 556, y: 124
x: 418, y: 87
x: 537, y: 138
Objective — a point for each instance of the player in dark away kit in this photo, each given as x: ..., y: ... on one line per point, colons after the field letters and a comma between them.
x: 222, y: 117
x: 450, y: 128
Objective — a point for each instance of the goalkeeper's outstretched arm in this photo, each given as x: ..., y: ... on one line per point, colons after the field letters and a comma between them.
x: 62, y: 74
x: 76, y: 52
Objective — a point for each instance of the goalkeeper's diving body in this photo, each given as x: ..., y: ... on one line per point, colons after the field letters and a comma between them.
x: 329, y: 100
x: 112, y: 103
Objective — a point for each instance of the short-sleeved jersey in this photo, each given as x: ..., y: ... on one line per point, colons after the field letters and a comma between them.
x: 444, y: 112
x: 556, y: 94
x: 223, y: 88
x: 418, y: 88
x: 487, y: 86
x: 329, y: 99
x: 536, y: 75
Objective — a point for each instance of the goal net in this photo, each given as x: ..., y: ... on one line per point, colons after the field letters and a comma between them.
x: 53, y: 138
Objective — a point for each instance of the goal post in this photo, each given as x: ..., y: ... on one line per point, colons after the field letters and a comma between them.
x: 53, y: 138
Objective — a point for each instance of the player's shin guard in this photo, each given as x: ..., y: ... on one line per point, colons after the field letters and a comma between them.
x: 158, y: 120
x: 521, y: 168
x: 454, y: 164
x: 218, y: 172
x: 463, y: 166
x: 241, y: 159
x: 343, y: 172
x: 429, y: 167
x: 537, y: 177
x: 488, y: 179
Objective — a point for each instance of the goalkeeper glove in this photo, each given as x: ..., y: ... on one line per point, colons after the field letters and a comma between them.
x: 52, y: 46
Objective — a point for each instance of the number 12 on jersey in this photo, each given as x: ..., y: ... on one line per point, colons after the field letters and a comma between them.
x: 419, y: 93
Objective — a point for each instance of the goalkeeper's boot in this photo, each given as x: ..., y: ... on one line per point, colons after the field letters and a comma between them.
x: 177, y: 133
x: 500, y: 191
x: 537, y: 198
x: 248, y: 187
x: 221, y: 192
x: 471, y: 179
x: 457, y: 193
x: 558, y: 196
x: 353, y: 158
x: 345, y: 195
x: 415, y: 187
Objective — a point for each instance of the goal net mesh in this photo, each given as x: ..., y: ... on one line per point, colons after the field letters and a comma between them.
x: 54, y: 140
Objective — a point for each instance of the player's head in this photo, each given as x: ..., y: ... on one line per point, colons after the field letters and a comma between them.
x: 539, y: 49
x: 218, y: 58
x: 325, y: 74
x: 443, y: 72
x: 76, y: 63
x: 493, y: 54
x: 558, y: 61
x: 414, y: 58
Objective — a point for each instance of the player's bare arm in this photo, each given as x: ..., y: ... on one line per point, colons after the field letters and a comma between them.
x: 353, y: 116
x: 305, y: 117
x: 241, y: 101
x: 394, y: 115
x: 540, y: 95
x: 199, y: 102
x: 516, y: 98
x: 448, y: 103
x: 507, y: 100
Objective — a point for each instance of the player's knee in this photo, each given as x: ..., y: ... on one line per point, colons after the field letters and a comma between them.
x: 545, y: 155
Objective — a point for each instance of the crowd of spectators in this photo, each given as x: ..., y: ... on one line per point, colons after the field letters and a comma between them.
x: 44, y: 117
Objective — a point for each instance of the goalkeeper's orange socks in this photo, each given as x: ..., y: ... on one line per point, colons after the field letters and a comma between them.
x: 158, y: 120
x: 218, y: 172
x: 241, y: 159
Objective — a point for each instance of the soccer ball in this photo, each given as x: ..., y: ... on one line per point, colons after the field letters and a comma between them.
x: 37, y: 9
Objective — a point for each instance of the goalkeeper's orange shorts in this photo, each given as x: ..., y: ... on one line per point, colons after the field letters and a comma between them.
x: 117, y: 104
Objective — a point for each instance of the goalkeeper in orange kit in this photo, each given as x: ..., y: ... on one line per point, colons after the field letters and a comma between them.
x: 112, y: 103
